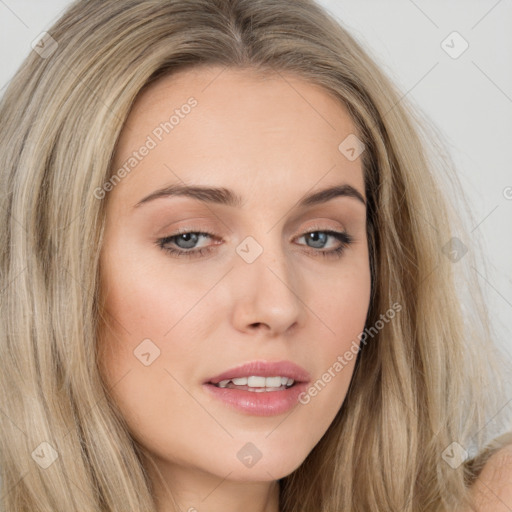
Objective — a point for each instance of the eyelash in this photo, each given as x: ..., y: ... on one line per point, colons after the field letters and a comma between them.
x: 341, y: 236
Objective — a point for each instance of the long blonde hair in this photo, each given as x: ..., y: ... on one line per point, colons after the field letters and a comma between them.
x: 421, y: 382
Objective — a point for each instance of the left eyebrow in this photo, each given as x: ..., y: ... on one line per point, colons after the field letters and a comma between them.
x: 224, y: 196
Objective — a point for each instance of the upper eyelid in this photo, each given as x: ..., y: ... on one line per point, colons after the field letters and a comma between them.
x: 216, y: 237
x: 202, y: 231
x: 318, y: 226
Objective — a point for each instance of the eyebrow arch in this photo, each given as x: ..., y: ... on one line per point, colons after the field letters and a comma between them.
x: 227, y: 197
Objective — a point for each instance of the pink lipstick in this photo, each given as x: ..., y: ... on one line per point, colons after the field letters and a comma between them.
x: 260, y: 388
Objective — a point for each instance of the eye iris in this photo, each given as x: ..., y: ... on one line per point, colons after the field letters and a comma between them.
x: 315, y: 236
x: 190, y: 239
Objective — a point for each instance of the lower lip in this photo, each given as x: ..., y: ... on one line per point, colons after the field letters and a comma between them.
x: 266, y: 403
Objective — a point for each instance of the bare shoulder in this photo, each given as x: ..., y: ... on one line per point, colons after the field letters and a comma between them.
x: 492, y: 489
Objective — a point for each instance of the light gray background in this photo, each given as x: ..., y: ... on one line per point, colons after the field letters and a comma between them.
x: 469, y: 98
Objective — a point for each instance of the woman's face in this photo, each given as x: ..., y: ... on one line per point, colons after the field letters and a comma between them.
x: 259, y: 274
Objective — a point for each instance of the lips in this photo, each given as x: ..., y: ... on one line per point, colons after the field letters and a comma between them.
x: 264, y: 369
x: 260, y: 401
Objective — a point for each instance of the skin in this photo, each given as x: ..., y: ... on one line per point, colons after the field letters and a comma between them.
x: 492, y: 491
x: 271, y: 140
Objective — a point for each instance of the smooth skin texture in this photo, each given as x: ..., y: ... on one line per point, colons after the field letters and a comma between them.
x: 272, y: 141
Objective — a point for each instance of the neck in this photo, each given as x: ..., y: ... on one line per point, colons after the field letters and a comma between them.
x: 190, y: 489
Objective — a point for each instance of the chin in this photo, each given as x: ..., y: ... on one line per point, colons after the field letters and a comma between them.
x: 267, y: 468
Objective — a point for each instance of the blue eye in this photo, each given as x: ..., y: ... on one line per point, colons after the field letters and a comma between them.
x: 186, y: 242
x: 319, y: 240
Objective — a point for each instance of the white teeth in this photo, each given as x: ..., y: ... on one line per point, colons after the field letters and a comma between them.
x: 258, y: 382
x: 273, y: 382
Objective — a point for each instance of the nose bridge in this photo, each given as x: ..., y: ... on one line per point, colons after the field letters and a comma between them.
x: 267, y: 285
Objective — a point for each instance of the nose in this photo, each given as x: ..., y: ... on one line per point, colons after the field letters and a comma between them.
x: 267, y: 295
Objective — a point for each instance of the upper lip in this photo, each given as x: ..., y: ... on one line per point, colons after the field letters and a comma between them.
x: 264, y: 369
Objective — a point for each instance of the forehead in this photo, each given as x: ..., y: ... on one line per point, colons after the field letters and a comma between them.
x: 217, y: 126
x: 243, y: 96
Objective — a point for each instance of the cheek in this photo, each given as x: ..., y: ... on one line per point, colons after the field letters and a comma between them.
x: 341, y: 312
x: 156, y: 325
x: 340, y: 302
x: 145, y: 371
x: 145, y: 297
